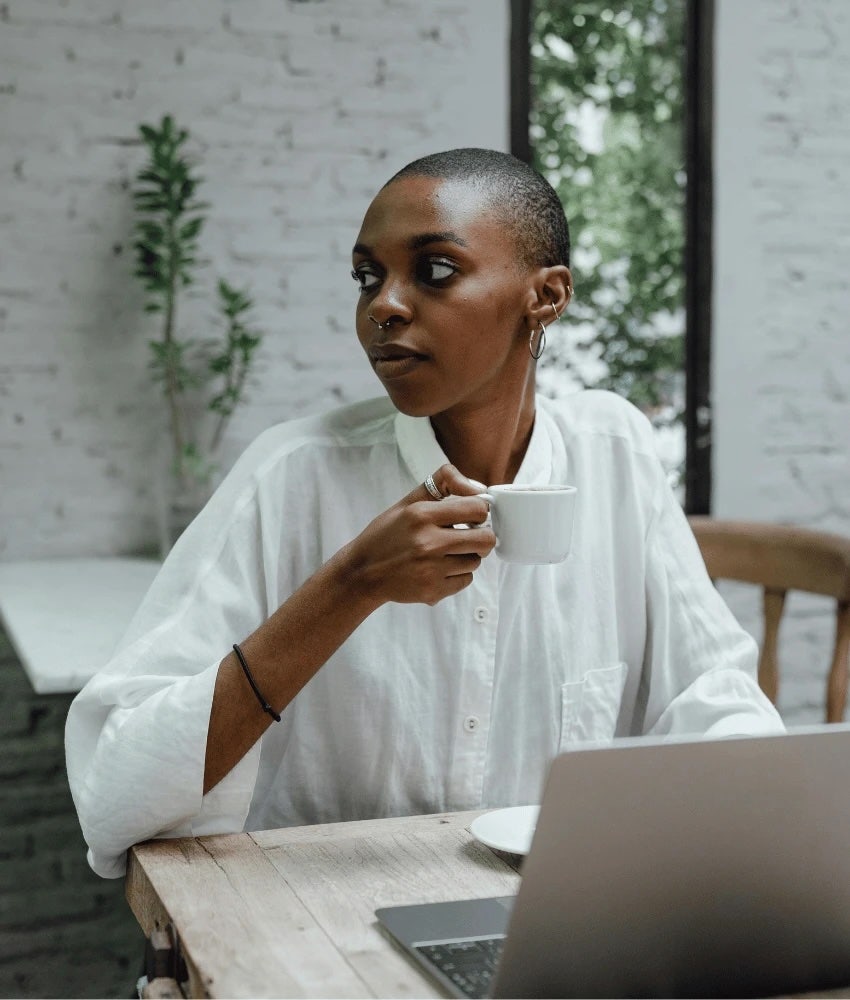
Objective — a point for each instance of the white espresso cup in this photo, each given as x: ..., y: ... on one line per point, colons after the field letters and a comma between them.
x: 533, y: 524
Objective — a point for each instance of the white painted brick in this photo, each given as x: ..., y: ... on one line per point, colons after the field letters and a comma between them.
x: 299, y: 112
x: 782, y: 419
x: 89, y: 13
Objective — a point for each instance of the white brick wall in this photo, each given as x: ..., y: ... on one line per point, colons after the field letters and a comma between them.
x: 299, y: 112
x: 782, y: 292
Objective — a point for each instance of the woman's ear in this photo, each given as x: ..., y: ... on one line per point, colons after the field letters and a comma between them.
x: 551, y: 294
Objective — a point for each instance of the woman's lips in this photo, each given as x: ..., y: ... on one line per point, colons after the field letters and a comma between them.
x: 393, y: 360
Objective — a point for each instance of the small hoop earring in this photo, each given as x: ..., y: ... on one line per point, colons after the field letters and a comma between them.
x: 541, y: 343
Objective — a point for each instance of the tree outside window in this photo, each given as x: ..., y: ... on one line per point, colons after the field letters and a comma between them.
x: 607, y: 130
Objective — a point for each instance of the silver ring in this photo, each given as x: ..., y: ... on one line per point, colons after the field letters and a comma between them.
x: 380, y: 326
x: 431, y: 487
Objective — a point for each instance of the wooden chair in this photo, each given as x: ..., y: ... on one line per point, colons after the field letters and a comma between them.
x: 780, y: 558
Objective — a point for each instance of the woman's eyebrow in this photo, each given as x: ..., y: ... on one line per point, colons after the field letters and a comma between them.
x: 417, y: 242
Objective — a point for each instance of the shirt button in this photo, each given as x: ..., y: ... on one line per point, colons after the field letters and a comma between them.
x: 481, y: 614
x: 471, y: 723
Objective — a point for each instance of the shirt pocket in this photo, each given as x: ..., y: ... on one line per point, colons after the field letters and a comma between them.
x: 590, y: 707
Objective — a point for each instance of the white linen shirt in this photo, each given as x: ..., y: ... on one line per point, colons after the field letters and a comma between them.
x: 423, y: 709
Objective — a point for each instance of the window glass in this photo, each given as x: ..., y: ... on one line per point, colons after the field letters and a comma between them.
x: 607, y: 130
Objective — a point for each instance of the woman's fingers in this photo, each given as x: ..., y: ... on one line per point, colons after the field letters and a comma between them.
x: 447, y: 481
x: 452, y: 527
x: 462, y: 565
x: 457, y: 510
x: 473, y: 541
x: 455, y: 584
x: 450, y: 482
x: 414, y: 553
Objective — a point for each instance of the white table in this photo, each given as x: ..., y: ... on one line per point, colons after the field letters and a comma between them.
x: 65, y: 616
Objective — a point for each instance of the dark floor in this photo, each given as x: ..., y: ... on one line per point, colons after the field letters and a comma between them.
x: 64, y: 932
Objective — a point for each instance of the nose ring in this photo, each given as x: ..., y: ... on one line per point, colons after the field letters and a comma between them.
x: 380, y: 326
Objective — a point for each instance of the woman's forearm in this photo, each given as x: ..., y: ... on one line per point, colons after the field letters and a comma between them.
x: 283, y: 654
x: 410, y: 554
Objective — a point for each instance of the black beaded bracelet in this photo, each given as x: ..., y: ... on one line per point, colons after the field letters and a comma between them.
x: 264, y: 704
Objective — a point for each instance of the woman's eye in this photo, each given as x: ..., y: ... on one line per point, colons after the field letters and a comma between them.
x: 436, y: 271
x: 365, y: 278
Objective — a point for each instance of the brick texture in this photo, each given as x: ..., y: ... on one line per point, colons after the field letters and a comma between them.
x: 64, y: 932
x: 299, y: 111
x: 781, y: 343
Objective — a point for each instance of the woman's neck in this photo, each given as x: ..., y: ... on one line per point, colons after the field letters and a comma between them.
x: 488, y: 442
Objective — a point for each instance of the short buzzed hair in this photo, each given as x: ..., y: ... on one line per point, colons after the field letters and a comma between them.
x: 520, y: 196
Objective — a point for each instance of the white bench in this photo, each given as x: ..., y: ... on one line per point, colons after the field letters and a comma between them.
x: 64, y: 617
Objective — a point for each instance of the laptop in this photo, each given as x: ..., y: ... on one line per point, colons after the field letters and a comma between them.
x: 671, y: 868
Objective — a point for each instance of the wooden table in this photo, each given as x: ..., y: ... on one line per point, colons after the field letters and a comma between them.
x: 290, y: 913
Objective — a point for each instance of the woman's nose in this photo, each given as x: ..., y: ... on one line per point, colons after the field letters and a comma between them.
x: 392, y: 302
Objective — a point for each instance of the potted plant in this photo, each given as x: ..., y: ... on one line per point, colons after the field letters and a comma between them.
x: 189, y: 370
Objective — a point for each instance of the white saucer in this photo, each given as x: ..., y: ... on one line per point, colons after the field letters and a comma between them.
x: 507, y: 830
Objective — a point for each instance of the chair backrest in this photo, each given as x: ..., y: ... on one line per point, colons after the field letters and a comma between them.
x: 780, y: 558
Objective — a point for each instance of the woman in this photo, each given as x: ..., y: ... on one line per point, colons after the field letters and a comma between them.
x: 412, y: 670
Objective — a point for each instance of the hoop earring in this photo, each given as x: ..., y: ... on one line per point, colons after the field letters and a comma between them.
x: 541, y: 343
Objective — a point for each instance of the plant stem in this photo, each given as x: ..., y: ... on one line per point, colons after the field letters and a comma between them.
x: 221, y: 423
x: 224, y: 418
x: 171, y: 388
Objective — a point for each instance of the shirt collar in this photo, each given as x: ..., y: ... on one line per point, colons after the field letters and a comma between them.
x: 422, y: 453
x: 418, y: 445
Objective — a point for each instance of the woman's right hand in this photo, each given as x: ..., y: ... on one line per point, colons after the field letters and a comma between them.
x: 412, y: 553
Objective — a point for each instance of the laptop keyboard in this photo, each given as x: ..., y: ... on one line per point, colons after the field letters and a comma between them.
x: 469, y: 964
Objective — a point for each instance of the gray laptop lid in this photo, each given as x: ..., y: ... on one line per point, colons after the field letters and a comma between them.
x: 711, y: 868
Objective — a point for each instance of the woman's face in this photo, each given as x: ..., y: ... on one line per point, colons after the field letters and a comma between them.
x: 440, y: 272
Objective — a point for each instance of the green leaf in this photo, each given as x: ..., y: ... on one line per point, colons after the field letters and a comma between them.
x: 248, y: 341
x: 190, y: 229
x: 169, y: 219
x: 625, y: 201
x: 150, y: 176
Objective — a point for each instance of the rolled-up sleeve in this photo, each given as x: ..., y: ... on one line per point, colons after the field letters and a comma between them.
x: 136, y: 734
